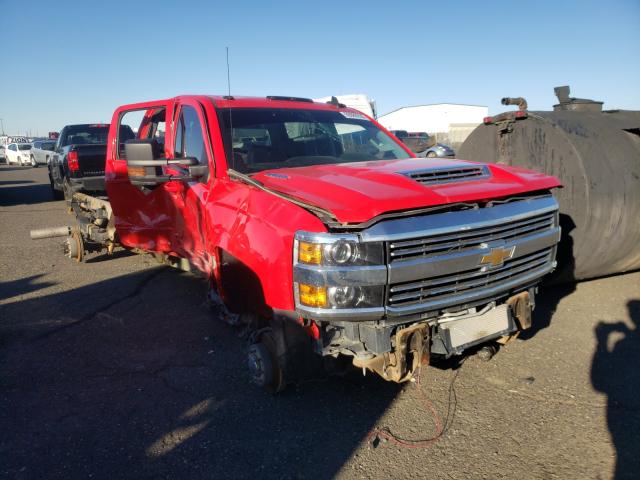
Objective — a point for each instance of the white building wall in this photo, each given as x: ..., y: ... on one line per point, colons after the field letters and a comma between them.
x: 433, y: 118
x: 358, y: 101
x: 458, y: 132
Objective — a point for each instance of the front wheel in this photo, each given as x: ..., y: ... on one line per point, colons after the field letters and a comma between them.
x: 431, y: 155
x: 264, y: 367
x: 34, y: 164
x: 74, y: 246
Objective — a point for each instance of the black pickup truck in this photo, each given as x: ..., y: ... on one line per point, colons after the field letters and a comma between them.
x: 79, y: 159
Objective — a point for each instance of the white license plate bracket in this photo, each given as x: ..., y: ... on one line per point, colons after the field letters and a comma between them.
x: 473, y: 329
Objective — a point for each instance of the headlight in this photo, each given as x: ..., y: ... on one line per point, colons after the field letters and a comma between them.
x: 340, y: 297
x: 336, y: 273
x: 339, y: 251
x: 355, y: 296
x: 343, y: 252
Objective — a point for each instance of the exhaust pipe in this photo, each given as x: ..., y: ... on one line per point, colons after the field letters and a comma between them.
x: 50, y: 233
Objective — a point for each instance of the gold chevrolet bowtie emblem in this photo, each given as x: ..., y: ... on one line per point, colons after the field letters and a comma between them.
x: 497, y: 256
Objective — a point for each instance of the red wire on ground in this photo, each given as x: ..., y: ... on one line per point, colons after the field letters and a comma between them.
x: 385, y: 433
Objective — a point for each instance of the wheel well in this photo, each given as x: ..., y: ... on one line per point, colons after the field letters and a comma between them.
x: 241, y: 286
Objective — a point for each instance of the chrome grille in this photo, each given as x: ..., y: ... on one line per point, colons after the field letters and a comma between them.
x: 469, y: 256
x: 469, y: 239
x: 436, y: 176
x: 438, y: 289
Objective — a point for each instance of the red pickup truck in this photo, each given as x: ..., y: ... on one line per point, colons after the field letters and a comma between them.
x: 326, y: 235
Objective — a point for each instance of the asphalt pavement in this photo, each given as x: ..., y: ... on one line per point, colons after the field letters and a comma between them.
x: 115, y: 368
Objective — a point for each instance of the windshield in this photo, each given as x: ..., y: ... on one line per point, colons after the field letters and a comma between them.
x: 266, y: 138
x: 24, y: 147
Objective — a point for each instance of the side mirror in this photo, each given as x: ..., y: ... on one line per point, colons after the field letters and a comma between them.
x: 145, y: 168
x: 142, y: 167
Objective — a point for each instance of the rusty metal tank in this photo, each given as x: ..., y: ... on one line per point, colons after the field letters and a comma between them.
x: 596, y: 155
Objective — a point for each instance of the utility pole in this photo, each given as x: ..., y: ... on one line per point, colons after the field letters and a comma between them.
x: 2, y: 122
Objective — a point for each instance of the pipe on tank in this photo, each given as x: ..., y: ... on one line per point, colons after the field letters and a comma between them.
x: 519, y: 101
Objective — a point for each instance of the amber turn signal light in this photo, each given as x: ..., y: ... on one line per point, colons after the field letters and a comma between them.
x: 310, y: 253
x: 313, y: 296
x: 136, y: 171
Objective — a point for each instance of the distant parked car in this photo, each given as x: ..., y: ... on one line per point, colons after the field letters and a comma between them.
x: 19, y: 153
x: 416, y: 141
x: 438, y: 150
x: 42, y: 152
x: 3, y: 155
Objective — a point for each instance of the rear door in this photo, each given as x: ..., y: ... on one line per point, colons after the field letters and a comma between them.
x: 47, y: 152
x: 35, y: 150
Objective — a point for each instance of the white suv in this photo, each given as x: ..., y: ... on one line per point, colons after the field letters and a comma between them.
x: 42, y: 152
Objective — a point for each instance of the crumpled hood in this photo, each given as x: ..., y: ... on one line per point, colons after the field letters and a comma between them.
x: 357, y: 192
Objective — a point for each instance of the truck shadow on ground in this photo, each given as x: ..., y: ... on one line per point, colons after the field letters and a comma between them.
x: 4, y: 183
x: 614, y: 371
x: 27, y: 194
x: 131, y: 377
x: 6, y: 168
x: 22, y: 286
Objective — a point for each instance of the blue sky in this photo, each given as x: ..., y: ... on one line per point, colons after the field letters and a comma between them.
x: 76, y: 61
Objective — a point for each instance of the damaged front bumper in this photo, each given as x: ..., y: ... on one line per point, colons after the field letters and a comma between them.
x: 457, y: 278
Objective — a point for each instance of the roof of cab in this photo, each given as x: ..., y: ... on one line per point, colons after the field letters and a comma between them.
x: 266, y: 102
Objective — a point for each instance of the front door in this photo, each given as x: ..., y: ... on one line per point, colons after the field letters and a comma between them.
x: 190, y: 140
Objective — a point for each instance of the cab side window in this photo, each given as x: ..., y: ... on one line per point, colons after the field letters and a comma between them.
x: 143, y: 124
x: 189, y: 140
x: 179, y: 143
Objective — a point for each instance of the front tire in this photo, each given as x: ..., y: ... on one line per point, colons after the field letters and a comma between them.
x: 431, y: 155
x: 34, y: 164
x: 264, y: 367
